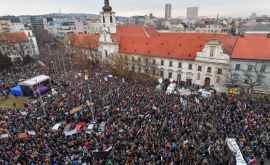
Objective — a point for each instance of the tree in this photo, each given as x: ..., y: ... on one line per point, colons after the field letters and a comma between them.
x: 232, y: 78
x: 253, y: 79
x: 119, y: 65
x: 5, y: 62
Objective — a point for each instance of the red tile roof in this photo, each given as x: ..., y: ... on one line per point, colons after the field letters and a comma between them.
x: 173, y: 45
x: 13, y: 37
x: 136, y: 30
x: 252, y: 47
x: 135, y: 39
x: 87, y: 41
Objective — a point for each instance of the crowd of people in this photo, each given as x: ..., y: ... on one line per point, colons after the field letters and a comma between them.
x: 108, y: 120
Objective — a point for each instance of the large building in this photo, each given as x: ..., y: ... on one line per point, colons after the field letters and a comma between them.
x: 9, y: 26
x: 18, y: 45
x: 168, y: 11
x: 192, y: 12
x: 205, y: 59
x: 36, y: 24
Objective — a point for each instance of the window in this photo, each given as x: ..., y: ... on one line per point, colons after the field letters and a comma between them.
x: 198, y: 76
x: 146, y: 61
x: 133, y: 68
x: 111, y: 19
x: 103, y: 19
x: 209, y: 69
x: 237, y: 67
x: 219, y: 71
x: 199, y: 68
x: 171, y: 63
x: 250, y: 67
x: 162, y: 62
x: 139, y: 69
x: 179, y: 65
x: 190, y: 66
x: 126, y: 58
x: 161, y: 74
x: 170, y: 74
x: 146, y: 70
x: 139, y: 59
x: 154, y: 72
x: 178, y: 77
x: 154, y: 62
x: 132, y: 58
x: 212, y: 51
x: 263, y: 69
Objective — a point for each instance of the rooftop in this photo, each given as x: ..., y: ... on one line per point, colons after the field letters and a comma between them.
x: 135, y: 39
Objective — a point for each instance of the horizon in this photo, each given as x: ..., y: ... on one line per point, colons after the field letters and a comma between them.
x: 207, y: 8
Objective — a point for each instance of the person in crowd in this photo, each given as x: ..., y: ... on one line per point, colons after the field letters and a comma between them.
x: 127, y: 122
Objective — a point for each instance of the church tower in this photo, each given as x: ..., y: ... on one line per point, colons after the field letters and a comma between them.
x: 107, y: 27
x: 107, y: 17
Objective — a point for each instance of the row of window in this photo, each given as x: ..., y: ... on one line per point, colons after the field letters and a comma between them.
x: 170, y: 74
x: 250, y: 68
x: 190, y: 66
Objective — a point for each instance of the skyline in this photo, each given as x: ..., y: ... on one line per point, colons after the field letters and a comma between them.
x: 132, y: 7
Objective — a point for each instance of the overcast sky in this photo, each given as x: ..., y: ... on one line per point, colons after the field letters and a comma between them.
x: 136, y: 7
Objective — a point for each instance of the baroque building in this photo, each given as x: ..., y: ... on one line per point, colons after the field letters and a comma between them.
x: 205, y: 59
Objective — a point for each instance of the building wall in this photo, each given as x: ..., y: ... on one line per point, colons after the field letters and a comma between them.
x: 192, y: 12
x: 179, y: 70
x: 215, y: 68
x: 240, y: 74
x: 168, y: 11
x: 19, y: 50
x: 5, y: 25
x: 32, y: 41
x: 108, y: 20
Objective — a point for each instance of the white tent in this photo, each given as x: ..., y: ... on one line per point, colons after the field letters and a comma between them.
x: 34, y: 81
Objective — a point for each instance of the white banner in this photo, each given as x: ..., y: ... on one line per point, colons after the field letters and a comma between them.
x: 233, y: 146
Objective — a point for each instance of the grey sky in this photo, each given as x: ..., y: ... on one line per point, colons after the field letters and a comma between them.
x: 136, y: 7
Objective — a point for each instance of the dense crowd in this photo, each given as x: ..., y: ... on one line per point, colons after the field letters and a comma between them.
x: 122, y: 122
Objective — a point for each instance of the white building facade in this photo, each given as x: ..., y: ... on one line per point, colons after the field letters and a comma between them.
x: 204, y: 59
x: 18, y: 45
x: 254, y: 73
x: 107, y: 45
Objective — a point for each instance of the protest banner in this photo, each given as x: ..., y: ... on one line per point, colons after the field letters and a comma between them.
x: 233, y: 146
x: 75, y: 110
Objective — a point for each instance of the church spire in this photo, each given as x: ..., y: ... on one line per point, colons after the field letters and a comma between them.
x: 107, y: 7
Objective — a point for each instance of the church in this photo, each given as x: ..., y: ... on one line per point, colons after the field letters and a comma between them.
x: 205, y: 59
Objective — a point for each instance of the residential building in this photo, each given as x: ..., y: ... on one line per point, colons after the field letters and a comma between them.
x: 5, y: 25
x: 17, y: 45
x: 168, y: 11
x: 37, y: 24
x: 192, y: 12
x: 250, y: 62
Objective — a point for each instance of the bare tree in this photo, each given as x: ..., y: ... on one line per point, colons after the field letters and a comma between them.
x: 119, y: 65
x: 232, y: 78
x: 253, y: 78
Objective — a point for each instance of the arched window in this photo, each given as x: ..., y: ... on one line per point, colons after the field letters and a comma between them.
x: 111, y: 19
x: 212, y: 51
x: 209, y: 69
